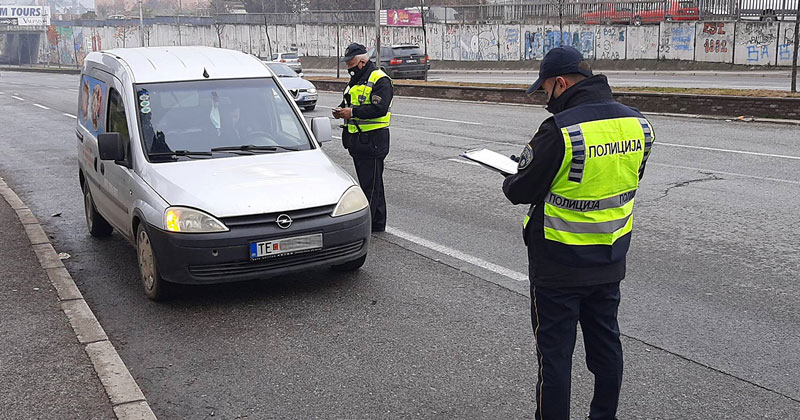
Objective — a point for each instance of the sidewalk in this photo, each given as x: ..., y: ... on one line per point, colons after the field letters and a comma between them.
x: 771, y: 73
x: 45, y: 372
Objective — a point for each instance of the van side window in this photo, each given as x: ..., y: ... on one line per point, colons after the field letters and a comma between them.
x: 117, y: 122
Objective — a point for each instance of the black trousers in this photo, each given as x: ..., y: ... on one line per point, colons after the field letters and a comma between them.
x: 555, y: 313
x: 370, y: 176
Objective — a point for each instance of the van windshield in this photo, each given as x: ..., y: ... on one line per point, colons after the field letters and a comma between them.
x: 217, y: 118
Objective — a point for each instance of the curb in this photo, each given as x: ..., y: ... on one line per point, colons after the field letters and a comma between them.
x: 127, y: 399
x: 41, y: 70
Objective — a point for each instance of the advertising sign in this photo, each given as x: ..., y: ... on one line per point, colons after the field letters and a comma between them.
x: 25, y: 15
x: 394, y: 17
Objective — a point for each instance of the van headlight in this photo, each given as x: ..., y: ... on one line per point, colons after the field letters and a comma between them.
x: 186, y: 220
x: 352, y: 201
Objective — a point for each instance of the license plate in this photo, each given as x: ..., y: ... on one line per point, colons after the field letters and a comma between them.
x: 411, y: 61
x: 285, y: 246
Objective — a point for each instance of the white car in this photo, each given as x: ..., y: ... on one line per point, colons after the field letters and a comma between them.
x: 202, y: 160
x: 290, y: 59
x: 303, y: 91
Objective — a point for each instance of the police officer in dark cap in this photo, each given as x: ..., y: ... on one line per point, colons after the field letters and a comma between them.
x: 579, y: 174
x: 367, y: 110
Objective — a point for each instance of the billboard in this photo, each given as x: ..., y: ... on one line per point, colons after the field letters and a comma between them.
x: 394, y: 17
x: 25, y: 15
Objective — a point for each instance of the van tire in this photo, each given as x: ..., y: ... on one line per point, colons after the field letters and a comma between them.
x: 351, y: 265
x: 97, y: 225
x: 155, y: 287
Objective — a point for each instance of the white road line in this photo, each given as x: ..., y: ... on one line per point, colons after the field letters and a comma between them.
x: 424, y: 118
x: 40, y: 106
x: 464, y: 162
x: 486, y: 265
x: 2, y: 93
x: 742, y: 152
x: 69, y: 115
x: 17, y: 98
x: 787, y: 181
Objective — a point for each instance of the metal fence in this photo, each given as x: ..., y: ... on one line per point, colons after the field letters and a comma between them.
x: 542, y: 11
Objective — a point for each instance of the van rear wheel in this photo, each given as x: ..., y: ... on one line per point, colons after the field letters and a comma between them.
x: 155, y: 288
x: 97, y: 225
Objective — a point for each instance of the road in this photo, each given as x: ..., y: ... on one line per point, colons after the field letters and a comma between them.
x: 437, y: 323
x: 770, y: 80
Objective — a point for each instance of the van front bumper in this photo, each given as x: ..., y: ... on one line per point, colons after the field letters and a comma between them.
x: 223, y: 257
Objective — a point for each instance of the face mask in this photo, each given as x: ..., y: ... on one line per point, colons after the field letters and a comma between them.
x: 549, y: 107
x: 353, y: 70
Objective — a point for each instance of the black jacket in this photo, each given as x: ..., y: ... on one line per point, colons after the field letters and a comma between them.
x: 375, y: 143
x: 550, y: 264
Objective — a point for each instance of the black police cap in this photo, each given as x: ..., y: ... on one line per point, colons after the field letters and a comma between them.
x: 558, y: 62
x: 353, y: 50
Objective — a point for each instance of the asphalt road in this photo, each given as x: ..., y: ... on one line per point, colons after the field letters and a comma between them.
x: 770, y: 80
x: 436, y: 325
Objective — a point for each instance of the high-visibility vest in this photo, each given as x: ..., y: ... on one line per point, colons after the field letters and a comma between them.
x: 362, y: 95
x: 590, y: 201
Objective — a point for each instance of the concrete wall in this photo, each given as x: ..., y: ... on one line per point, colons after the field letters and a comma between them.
x: 714, y: 42
x: 751, y: 43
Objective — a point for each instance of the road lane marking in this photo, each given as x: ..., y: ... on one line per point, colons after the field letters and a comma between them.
x: 17, y: 98
x: 743, y: 152
x: 424, y: 118
x: 69, y: 115
x: 450, y: 252
x: 40, y: 106
x: 464, y: 162
x: 2, y: 93
x: 787, y: 181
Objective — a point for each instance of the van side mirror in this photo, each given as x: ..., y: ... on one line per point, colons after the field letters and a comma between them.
x: 110, y: 147
x: 321, y: 127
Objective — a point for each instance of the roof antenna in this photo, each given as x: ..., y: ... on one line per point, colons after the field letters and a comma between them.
x: 205, y: 73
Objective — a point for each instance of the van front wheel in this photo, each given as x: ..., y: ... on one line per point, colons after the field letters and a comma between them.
x: 97, y: 225
x: 155, y: 288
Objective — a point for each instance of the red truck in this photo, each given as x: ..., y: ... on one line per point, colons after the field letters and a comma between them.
x: 679, y: 10
x: 607, y: 14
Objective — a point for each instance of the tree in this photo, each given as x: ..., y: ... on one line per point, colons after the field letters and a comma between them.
x: 218, y: 7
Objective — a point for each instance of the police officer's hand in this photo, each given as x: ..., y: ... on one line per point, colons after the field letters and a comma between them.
x: 336, y: 111
x: 345, y: 113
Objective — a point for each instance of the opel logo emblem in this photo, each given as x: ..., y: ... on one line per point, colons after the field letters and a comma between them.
x: 284, y: 221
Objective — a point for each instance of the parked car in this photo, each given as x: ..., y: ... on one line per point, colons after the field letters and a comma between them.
x: 608, y: 14
x: 767, y: 10
x: 198, y: 157
x: 302, y: 91
x: 403, y: 61
x: 290, y: 59
x: 675, y: 11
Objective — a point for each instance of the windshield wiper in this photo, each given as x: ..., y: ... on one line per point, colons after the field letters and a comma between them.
x: 252, y: 147
x: 179, y: 153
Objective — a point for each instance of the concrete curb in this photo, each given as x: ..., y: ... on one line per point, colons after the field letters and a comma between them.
x: 127, y: 399
x: 41, y: 70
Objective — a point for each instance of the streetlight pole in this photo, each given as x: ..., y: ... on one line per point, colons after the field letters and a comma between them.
x: 141, y: 25
x: 796, y: 44
x: 378, y: 33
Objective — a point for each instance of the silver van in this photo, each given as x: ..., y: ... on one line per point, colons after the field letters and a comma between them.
x: 202, y: 160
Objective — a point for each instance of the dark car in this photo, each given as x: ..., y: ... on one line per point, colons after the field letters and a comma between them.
x: 403, y: 61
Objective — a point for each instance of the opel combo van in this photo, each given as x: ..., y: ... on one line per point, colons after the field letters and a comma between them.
x: 202, y: 160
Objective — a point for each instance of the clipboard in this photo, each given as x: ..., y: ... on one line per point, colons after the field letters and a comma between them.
x: 492, y: 160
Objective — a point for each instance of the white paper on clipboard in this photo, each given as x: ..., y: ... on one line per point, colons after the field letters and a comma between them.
x: 492, y: 160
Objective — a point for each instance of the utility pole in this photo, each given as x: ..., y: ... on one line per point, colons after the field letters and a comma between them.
x: 796, y: 44
x: 141, y: 25
x: 378, y: 33
x: 425, y: 36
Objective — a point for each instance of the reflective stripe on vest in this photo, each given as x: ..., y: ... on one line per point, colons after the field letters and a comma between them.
x: 591, y: 199
x: 362, y: 95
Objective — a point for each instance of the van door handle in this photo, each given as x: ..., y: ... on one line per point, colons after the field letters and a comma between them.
x: 79, y: 135
x: 102, y: 169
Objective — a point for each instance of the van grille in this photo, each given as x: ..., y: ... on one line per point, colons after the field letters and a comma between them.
x: 269, y: 218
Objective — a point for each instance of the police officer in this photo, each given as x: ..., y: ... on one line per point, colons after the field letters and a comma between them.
x: 367, y: 111
x: 579, y: 173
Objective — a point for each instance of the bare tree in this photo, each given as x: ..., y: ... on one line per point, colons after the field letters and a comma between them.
x: 218, y: 7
